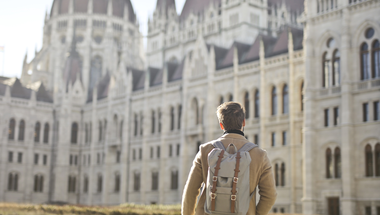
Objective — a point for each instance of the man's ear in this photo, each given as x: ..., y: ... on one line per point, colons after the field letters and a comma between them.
x: 243, y: 122
x: 221, y: 126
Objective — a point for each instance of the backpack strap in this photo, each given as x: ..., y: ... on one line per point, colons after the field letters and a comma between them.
x: 234, y: 183
x: 247, y: 147
x: 214, y: 180
x: 218, y: 144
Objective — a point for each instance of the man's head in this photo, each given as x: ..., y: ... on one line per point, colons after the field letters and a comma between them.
x: 231, y: 116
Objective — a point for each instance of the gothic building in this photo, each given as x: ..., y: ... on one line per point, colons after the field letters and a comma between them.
x: 97, y: 119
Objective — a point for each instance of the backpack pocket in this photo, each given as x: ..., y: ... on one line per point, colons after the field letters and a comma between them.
x: 222, y: 201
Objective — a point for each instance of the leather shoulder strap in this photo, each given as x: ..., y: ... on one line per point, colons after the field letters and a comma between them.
x: 247, y: 147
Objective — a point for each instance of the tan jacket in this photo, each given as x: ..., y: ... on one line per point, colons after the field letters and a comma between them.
x: 261, y: 175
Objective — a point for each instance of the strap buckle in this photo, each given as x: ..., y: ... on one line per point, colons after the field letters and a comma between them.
x: 236, y: 179
x: 233, y: 197
x: 214, y: 178
x: 213, y: 195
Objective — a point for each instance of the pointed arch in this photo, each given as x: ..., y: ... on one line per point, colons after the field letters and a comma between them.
x: 11, y: 130
x: 153, y: 121
x: 37, y: 129
x: 246, y: 104
x: 274, y: 101
x: 285, y: 99
x: 336, y: 68
x: 329, y: 163
x: 257, y: 103
x: 368, y: 161
x: 46, y: 133
x: 375, y: 59
x: 337, y: 163
x: 377, y: 159
x: 364, y: 62
x: 21, y: 130
x: 302, y: 96
x: 74, y: 133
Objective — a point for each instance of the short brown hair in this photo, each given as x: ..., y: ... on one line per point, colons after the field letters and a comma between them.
x: 231, y: 115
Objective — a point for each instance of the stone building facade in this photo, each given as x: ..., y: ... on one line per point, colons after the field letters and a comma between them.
x: 96, y: 119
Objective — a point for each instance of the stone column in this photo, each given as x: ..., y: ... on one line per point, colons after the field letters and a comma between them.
x: 347, y: 120
x: 29, y: 153
x: 125, y: 175
x: 309, y: 200
x: 263, y: 95
x: 93, y: 142
x: 292, y: 95
x: 165, y: 122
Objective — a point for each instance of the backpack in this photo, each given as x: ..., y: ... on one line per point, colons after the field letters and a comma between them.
x: 228, y: 187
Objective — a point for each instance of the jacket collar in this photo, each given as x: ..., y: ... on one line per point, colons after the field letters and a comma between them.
x: 234, y: 136
x: 234, y: 132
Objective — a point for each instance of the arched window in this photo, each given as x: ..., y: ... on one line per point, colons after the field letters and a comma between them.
x: 257, y: 103
x: 37, y: 129
x: 274, y: 101
x: 336, y: 68
x: 329, y: 164
x: 72, y: 184
x: 154, y: 180
x: 11, y: 130
x: 195, y: 108
x: 90, y: 133
x: 85, y: 184
x: 282, y: 174
x: 368, y: 161
x: 153, y: 121
x: 221, y: 100
x: 115, y: 126
x: 376, y: 59
x: 159, y: 121
x: 171, y: 118
x: 179, y: 116
x: 377, y: 159
x: 121, y: 130
x: 21, y: 130
x: 38, y: 183
x: 231, y: 98
x: 326, y: 71
x: 74, y: 132
x: 104, y: 129
x: 136, y: 181
x: 85, y: 133
x: 46, y: 132
x: 337, y: 163
x: 174, y: 180
x: 100, y: 131
x: 141, y: 123
x: 285, y: 100
x: 302, y: 96
x: 136, y: 125
x: 12, y: 181
x: 95, y: 71
x: 364, y: 61
x: 276, y: 174
x: 246, y: 104
x: 117, y: 182
x: 100, y: 183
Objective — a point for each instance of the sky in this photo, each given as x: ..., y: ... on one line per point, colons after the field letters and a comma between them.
x: 21, y: 25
